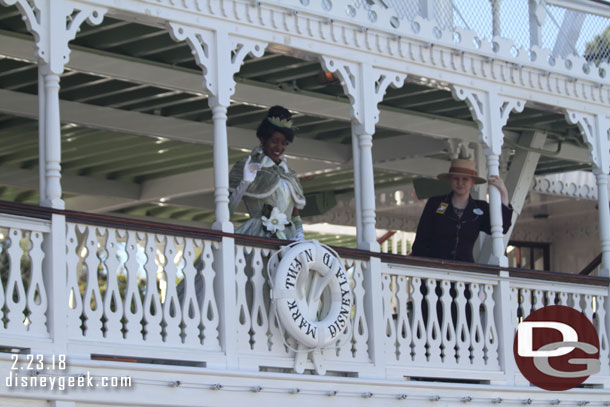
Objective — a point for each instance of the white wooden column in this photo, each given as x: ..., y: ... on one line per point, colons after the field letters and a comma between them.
x: 490, y: 111
x: 220, y: 56
x: 365, y: 87
x: 595, y: 129
x: 518, y: 181
x: 357, y: 194
x: 46, y: 20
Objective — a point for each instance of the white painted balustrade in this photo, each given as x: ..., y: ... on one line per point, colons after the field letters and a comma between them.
x: 150, y: 295
x: 23, y: 297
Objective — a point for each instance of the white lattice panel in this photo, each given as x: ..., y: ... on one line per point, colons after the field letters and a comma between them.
x: 135, y: 288
x: 590, y: 300
x: 23, y: 296
x: 436, y: 321
x: 259, y: 334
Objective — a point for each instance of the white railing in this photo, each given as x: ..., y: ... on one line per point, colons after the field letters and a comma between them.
x: 439, y: 321
x: 23, y: 297
x: 152, y: 295
x: 140, y: 288
x: 528, y: 296
x: 262, y: 342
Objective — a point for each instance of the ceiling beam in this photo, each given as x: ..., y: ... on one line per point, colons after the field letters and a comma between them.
x: 122, y: 121
x: 148, y: 73
x: 72, y: 184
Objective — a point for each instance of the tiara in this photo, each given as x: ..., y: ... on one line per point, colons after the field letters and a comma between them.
x: 279, y: 122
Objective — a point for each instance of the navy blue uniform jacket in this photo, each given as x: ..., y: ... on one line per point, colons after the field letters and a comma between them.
x: 442, y: 235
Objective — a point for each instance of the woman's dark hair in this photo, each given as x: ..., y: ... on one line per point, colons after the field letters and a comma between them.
x: 277, y: 119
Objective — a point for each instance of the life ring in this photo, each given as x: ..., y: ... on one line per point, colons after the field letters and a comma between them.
x: 297, y: 293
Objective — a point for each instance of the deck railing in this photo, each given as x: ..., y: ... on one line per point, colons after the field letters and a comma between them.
x: 148, y: 292
x: 564, y: 27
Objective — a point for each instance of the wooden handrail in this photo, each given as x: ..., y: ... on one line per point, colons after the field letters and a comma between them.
x: 41, y: 212
x: 591, y: 266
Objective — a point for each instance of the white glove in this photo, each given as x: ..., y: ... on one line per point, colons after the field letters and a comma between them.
x: 250, y: 170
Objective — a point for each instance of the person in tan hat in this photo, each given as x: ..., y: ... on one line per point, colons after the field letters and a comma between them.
x: 450, y: 224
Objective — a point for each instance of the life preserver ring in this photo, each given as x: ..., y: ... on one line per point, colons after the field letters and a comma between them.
x: 290, y: 294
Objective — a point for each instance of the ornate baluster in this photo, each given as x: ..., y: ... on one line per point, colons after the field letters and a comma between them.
x: 16, y: 300
x: 36, y: 294
x: 75, y: 299
x: 191, y: 314
x: 209, y: 308
x: 514, y: 300
x: 243, y: 315
x: 275, y: 343
x: 258, y: 317
x: 447, y: 327
x: 113, y: 304
x: 477, y: 340
x: 588, y: 309
x: 461, y: 326
x: 172, y: 315
x: 433, y: 328
x: 390, y: 328
x: 526, y: 302
x: 600, y: 325
x: 2, y: 249
x: 538, y: 300
x: 550, y: 297
x: 563, y: 299
x: 92, y: 300
x: 152, y: 313
x: 403, y: 327
x: 490, y: 330
x: 360, y: 329
x: 576, y: 299
x: 133, y: 309
x: 418, y: 328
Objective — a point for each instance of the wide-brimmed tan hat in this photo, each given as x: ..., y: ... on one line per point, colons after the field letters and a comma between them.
x: 462, y: 168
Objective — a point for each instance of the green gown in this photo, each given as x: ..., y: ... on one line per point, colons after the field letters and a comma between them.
x: 275, y: 185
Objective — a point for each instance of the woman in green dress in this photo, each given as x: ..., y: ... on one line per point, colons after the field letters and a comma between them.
x: 270, y: 190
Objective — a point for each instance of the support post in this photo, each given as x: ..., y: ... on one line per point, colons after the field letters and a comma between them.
x: 604, y: 220
x: 365, y: 87
x: 518, y: 181
x: 491, y: 111
x: 357, y: 193
x: 47, y: 22
x: 54, y: 274
x: 495, y: 214
x: 505, y: 316
x: 220, y: 56
x: 42, y: 155
x: 595, y: 129
x: 221, y: 168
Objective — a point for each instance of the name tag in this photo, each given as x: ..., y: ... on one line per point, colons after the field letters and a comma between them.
x: 477, y: 211
x: 442, y: 207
